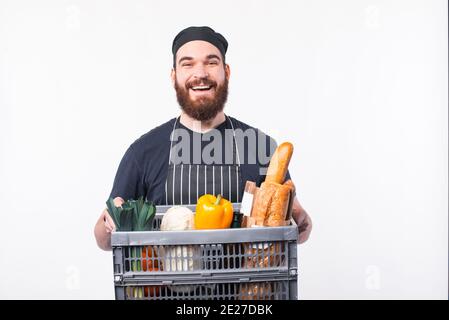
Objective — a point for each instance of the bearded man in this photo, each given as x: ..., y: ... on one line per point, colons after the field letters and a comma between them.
x: 154, y: 167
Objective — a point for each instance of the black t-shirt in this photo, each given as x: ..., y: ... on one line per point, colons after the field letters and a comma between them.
x: 144, y: 167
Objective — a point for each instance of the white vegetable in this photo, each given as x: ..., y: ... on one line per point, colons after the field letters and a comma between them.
x: 179, y: 258
x: 178, y: 219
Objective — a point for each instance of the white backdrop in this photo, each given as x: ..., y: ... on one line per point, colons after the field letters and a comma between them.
x: 359, y: 87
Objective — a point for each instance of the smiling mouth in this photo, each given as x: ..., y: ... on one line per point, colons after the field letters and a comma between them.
x: 201, y: 88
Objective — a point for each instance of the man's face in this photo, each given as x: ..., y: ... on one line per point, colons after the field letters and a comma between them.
x: 200, y: 80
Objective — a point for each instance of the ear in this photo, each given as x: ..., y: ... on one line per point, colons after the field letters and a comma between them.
x: 173, y: 77
x: 227, y: 71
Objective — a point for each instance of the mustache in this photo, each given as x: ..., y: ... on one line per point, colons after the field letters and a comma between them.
x: 203, y: 81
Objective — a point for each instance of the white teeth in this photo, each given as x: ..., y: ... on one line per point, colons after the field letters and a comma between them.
x: 201, y: 87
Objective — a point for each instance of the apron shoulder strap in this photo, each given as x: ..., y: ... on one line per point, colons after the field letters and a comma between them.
x: 235, y: 140
x: 172, y: 138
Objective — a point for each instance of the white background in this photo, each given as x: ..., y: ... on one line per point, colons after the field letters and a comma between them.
x: 359, y: 87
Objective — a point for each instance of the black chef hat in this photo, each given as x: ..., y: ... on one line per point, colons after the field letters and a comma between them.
x: 199, y: 33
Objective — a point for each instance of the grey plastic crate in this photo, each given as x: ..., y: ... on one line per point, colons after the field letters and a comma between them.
x: 180, y: 261
x: 229, y: 289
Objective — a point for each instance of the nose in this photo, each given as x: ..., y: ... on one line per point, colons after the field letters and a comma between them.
x: 200, y: 72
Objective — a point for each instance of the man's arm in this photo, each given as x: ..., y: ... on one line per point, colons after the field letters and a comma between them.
x: 104, y: 226
x: 303, y: 221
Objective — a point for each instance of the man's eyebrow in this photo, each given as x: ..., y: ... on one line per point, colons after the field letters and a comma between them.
x: 185, y: 58
x: 213, y: 56
x: 208, y: 57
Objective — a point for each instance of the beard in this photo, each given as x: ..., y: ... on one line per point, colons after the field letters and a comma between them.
x: 203, y: 108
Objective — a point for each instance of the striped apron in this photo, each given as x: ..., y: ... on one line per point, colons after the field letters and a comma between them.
x: 187, y: 182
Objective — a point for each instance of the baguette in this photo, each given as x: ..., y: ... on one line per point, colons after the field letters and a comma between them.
x: 292, y: 197
x: 272, y: 204
x: 277, y: 212
x: 278, y: 166
x: 262, y: 203
x: 271, y: 201
x: 290, y: 184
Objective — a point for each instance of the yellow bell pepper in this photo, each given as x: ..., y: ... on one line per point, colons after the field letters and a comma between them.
x: 213, y: 212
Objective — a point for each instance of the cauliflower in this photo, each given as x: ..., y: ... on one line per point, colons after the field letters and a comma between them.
x: 178, y: 219
x: 179, y: 258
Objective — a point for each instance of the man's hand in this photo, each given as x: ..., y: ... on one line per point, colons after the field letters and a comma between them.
x: 108, y: 222
x: 104, y: 226
x: 303, y: 221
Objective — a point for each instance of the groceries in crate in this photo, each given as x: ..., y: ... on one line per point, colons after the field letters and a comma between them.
x: 177, y: 258
x: 213, y: 212
x: 149, y: 259
x: 182, y: 257
x: 271, y: 204
x: 261, y: 255
x: 256, y: 291
x: 151, y: 291
x: 150, y: 264
x: 264, y: 255
x: 177, y: 218
x: 136, y: 215
x: 132, y: 215
x: 142, y: 292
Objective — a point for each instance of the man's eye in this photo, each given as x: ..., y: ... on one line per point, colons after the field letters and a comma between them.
x: 187, y: 65
x: 213, y: 62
